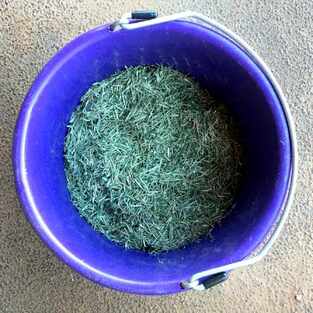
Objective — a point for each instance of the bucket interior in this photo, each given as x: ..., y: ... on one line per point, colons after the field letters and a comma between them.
x: 222, y: 68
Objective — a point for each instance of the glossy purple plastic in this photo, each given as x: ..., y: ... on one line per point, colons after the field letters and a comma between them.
x: 218, y: 65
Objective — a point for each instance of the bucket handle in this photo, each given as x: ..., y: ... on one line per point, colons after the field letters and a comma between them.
x: 206, y: 279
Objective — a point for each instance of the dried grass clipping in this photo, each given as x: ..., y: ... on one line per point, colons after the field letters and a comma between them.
x: 152, y: 160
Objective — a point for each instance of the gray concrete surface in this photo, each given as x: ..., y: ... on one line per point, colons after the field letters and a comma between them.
x: 31, y: 277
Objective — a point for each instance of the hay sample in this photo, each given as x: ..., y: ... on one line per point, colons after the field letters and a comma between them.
x: 152, y: 160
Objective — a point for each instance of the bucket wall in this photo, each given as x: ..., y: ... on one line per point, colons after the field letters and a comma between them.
x: 221, y: 67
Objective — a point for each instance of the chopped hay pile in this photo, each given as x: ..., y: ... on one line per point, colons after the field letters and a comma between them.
x: 152, y: 160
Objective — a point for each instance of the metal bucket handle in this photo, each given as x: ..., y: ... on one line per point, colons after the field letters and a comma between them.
x: 206, y: 279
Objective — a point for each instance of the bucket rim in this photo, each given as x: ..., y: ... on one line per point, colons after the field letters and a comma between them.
x: 25, y: 195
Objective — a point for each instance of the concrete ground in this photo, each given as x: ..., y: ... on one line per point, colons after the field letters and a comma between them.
x: 33, y: 280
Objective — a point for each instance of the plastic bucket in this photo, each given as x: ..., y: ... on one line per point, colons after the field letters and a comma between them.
x: 219, y: 65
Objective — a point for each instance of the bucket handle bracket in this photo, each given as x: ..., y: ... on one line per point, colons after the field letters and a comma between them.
x: 136, y: 16
x: 206, y: 283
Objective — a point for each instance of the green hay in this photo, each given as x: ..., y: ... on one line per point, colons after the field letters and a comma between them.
x: 152, y: 161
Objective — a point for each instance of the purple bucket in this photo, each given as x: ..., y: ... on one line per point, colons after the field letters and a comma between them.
x: 218, y: 64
